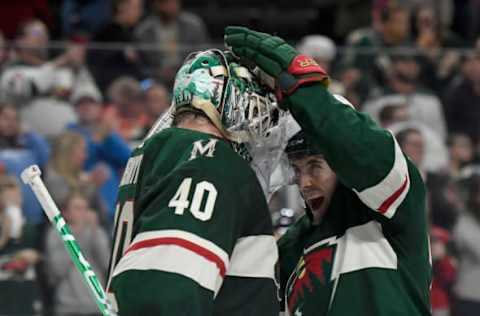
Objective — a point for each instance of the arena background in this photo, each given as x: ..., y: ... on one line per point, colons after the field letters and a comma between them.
x: 413, y: 65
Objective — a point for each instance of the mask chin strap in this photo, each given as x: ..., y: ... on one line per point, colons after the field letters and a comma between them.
x: 209, y: 109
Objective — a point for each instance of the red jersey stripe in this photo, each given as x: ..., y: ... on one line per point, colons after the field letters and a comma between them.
x: 389, y: 201
x: 207, y: 254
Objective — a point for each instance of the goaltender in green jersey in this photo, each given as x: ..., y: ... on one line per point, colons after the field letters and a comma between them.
x: 362, y: 249
x: 193, y: 233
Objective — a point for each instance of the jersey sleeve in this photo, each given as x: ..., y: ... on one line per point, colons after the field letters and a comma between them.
x: 188, y: 225
x: 365, y: 157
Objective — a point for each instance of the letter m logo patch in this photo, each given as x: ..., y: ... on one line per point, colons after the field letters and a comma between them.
x: 203, y: 148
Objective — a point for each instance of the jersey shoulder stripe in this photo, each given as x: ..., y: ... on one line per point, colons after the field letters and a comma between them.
x: 387, y: 195
x: 179, y: 252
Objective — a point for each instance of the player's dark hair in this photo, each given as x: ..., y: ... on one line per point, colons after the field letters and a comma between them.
x: 403, y: 135
x: 387, y: 113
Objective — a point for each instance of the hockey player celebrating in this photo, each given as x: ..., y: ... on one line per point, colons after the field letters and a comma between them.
x: 193, y: 233
x: 362, y: 248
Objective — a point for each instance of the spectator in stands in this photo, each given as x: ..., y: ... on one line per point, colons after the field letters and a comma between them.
x: 391, y: 114
x: 443, y: 272
x: 109, y: 64
x: 72, y: 297
x: 412, y: 144
x: 435, y: 155
x: 79, y: 16
x: 174, y: 33
x: 404, y: 87
x: 4, y: 51
x: 105, y: 147
x: 461, y: 152
x: 157, y: 100
x: 445, y: 200
x: 466, y: 236
x: 127, y: 109
x: 390, y: 29
x: 20, y: 148
x: 31, y: 42
x: 462, y: 99
x: 438, y: 65
x: 20, y: 294
x: 65, y: 172
x: 323, y: 50
x: 39, y: 86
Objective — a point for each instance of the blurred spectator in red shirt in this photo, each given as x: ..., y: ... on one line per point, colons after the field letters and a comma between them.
x: 108, y: 63
x: 443, y: 272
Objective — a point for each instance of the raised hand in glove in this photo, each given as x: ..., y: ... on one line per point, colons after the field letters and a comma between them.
x: 274, y: 56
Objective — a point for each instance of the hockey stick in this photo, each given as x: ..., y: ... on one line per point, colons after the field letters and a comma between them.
x: 31, y: 177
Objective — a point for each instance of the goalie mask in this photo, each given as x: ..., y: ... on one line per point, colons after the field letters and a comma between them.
x: 211, y: 81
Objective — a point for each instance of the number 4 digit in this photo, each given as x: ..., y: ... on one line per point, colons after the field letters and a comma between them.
x: 180, y: 199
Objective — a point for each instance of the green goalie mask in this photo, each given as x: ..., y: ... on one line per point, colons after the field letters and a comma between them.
x: 228, y: 93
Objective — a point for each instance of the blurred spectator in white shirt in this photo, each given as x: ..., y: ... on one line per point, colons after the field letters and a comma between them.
x: 38, y: 86
x: 404, y: 88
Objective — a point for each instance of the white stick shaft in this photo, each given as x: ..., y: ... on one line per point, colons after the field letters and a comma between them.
x: 31, y: 176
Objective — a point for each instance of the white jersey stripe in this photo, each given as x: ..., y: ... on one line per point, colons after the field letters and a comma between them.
x: 386, y: 196
x: 174, y: 259
x: 254, y: 257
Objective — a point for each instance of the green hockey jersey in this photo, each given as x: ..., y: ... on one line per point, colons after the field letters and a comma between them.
x: 369, y: 256
x: 193, y: 233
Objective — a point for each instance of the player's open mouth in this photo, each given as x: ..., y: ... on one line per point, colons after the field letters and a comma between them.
x: 316, y: 203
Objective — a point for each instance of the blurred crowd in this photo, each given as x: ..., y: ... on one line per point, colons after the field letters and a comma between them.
x: 82, y: 82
